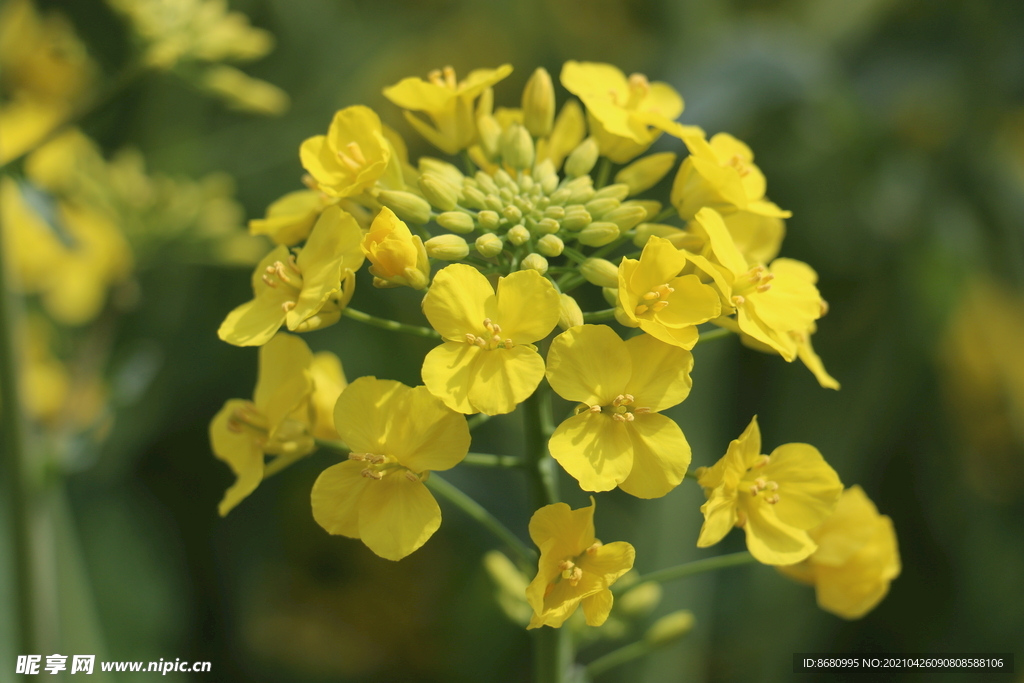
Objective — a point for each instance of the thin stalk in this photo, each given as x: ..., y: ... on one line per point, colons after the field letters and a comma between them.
x: 467, y: 163
x: 489, y: 460
x: 573, y: 255
x: 667, y: 212
x: 599, y: 316
x: 680, y: 571
x: 456, y: 497
x: 609, y: 248
x: 477, y: 420
x: 623, y: 655
x: 720, y: 333
x: 604, y: 171
x: 392, y: 325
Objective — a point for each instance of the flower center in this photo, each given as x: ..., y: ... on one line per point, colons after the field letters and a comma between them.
x: 286, y: 277
x: 621, y: 409
x: 352, y: 158
x: 654, y: 300
x: 739, y: 164
x: 444, y: 77
x: 757, y: 279
x: 377, y: 466
x: 759, y: 485
x: 570, y: 569
x: 492, y: 339
x: 248, y: 418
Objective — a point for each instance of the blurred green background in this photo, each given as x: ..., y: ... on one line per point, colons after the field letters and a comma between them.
x: 894, y: 131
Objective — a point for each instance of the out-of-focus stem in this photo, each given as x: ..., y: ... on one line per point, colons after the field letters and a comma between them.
x: 720, y: 333
x: 599, y: 316
x: 623, y: 655
x: 679, y: 571
x: 392, y: 325
x: 489, y: 460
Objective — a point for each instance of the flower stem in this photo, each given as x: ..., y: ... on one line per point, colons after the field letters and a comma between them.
x: 598, y: 316
x: 477, y: 420
x: 624, y: 654
x: 489, y: 460
x: 604, y: 171
x: 679, y: 571
x: 392, y: 325
x: 472, y: 508
x: 720, y: 333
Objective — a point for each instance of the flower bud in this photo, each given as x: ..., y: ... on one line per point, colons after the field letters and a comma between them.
x: 513, y: 213
x: 617, y: 191
x: 438, y: 191
x: 489, y: 220
x: 626, y: 217
x: 449, y: 172
x: 582, y: 159
x: 489, y: 245
x: 581, y: 194
x: 646, y: 172
x: 456, y: 221
x: 548, y: 226
x: 576, y: 218
x: 556, y: 212
x: 397, y: 256
x: 641, y: 600
x: 569, y: 313
x: 598, y: 234
x: 473, y: 198
x: 406, y: 205
x: 517, y: 147
x: 600, y: 272
x: 598, y: 207
x: 447, y: 247
x: 550, y: 245
x: 560, y: 196
x: 518, y: 235
x: 539, y: 104
x: 678, y: 238
x: 669, y: 628
x: 486, y: 183
x: 534, y: 262
x: 611, y: 296
x: 490, y: 135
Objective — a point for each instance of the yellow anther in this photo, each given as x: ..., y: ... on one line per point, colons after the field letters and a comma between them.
x: 372, y: 474
x: 738, y: 300
x: 824, y: 307
x: 411, y: 476
x: 754, y: 490
x: 359, y: 457
x: 287, y: 306
x: 772, y: 499
x: 650, y: 295
x: 761, y: 483
x: 773, y: 486
x: 449, y: 78
x: 496, y: 339
x: 351, y: 163
x: 593, y: 547
x: 566, y: 565
x: 760, y: 462
x: 595, y: 409
x: 740, y: 165
x: 629, y: 417
x: 356, y: 152
x: 764, y: 288
x: 575, y: 575
x: 641, y: 411
x: 639, y: 86
x: 641, y: 309
x: 509, y: 344
x: 470, y: 338
x: 663, y: 291
x: 619, y: 417
x: 659, y: 306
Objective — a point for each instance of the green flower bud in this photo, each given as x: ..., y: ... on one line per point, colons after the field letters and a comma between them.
x: 600, y: 272
x: 626, y: 216
x: 456, y: 221
x: 518, y: 235
x: 473, y: 198
x: 641, y: 600
x: 616, y: 191
x: 490, y: 135
x: 581, y: 195
x: 598, y: 234
x: 539, y: 104
x: 438, y: 191
x: 582, y: 159
x: 611, y: 296
x: 645, y: 172
x: 556, y: 212
x: 494, y: 202
x: 489, y: 245
x: 489, y: 220
x: 670, y: 627
x: 680, y: 239
x: 550, y: 245
x: 517, y: 147
x: 503, y: 179
x: 569, y: 313
x: 407, y: 206
x: 561, y: 196
x: 513, y: 213
x: 449, y: 172
x: 447, y: 247
x: 598, y: 207
x: 576, y: 218
x: 486, y: 183
x: 534, y: 262
x: 548, y: 226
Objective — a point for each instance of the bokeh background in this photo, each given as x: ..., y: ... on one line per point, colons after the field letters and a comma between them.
x: 894, y: 131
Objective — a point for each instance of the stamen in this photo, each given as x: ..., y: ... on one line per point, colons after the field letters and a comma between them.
x: 449, y: 78
x: 738, y: 300
x: 641, y: 411
x: 650, y: 295
x: 619, y: 417
x: 435, y: 77
x: 593, y: 547
x: 412, y: 476
x: 509, y: 344
x: 595, y: 409
x: 764, y: 288
x: 372, y: 474
x: 287, y: 306
x: 359, y: 457
x: 356, y: 152
x: 772, y: 499
x: 659, y: 306
x: 575, y: 575
x: 641, y: 309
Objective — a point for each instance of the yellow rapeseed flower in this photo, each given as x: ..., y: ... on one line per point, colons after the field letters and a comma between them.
x: 353, y: 155
x: 277, y: 421
x: 654, y: 297
x: 488, y: 362
x: 574, y: 568
x: 307, y: 292
x: 617, y: 437
x: 775, y: 498
x: 397, y: 435
x: 448, y: 103
x: 291, y: 218
x: 328, y: 383
x: 398, y: 257
x: 856, y: 560
x: 625, y: 115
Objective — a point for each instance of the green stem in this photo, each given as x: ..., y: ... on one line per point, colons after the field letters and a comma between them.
x: 392, y: 325
x: 679, y: 571
x: 467, y: 163
x: 609, y: 248
x: 574, y: 255
x: 598, y: 316
x: 489, y: 460
x: 720, y: 333
x: 477, y: 420
x: 667, y: 212
x: 453, y: 495
x: 624, y: 654
x: 604, y: 171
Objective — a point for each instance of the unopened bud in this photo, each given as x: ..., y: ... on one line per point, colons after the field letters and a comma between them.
x: 456, y: 221
x: 534, y: 262
x: 600, y: 272
x: 486, y: 183
x: 539, y: 104
x: 490, y: 135
x: 513, y: 213
x: 641, y: 600
x: 438, y: 191
x: 518, y: 235
x: 611, y: 295
x: 626, y: 217
x: 556, y: 212
x: 449, y: 172
x: 582, y: 159
x: 569, y: 313
x: 474, y: 198
x: 598, y: 207
x: 489, y: 245
x: 581, y: 194
x: 598, y: 234
x: 560, y: 196
x: 489, y: 220
x: 550, y: 245
x: 517, y: 147
x: 645, y: 172
x: 615, y: 191
x: 447, y: 247
x: 669, y: 628
x: 576, y: 218
x: 677, y: 237
x: 548, y: 226
x: 407, y: 206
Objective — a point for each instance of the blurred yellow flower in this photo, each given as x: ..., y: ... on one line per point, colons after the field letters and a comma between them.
x: 775, y: 498
x: 446, y: 102
x: 654, y: 297
x: 353, y: 155
x: 243, y: 92
x: 625, y: 115
x: 397, y: 435
x: 277, y: 421
x: 617, y: 437
x: 856, y: 560
x: 398, y: 257
x: 575, y: 568
x: 290, y: 219
x: 306, y: 293
x: 328, y: 383
x: 488, y: 362
x: 569, y: 130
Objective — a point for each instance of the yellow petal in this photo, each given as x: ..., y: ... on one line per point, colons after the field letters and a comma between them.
x: 589, y: 364
x: 284, y: 380
x: 597, y: 607
x: 448, y: 373
x: 336, y: 498
x: 847, y: 530
x: 364, y: 413
x: 594, y: 449
x: 328, y: 383
x: 240, y: 451
x: 660, y: 456
x: 290, y: 218
x: 708, y: 224
x: 559, y: 530
x: 397, y: 516
x: 504, y: 378
x: 255, y: 322
x: 772, y: 541
x: 809, y: 488
x: 333, y: 246
x: 459, y: 300
x: 660, y: 262
x: 528, y: 306
x: 604, y: 565
x: 811, y: 360
x: 660, y: 375
x: 741, y: 454
x: 719, y: 516
x: 758, y: 237
x: 419, y: 95
x: 683, y: 337
x: 425, y: 434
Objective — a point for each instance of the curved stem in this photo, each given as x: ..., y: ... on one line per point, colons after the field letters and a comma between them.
x: 472, y: 508
x: 598, y: 316
x: 489, y: 460
x: 720, y: 333
x: 679, y: 571
x: 392, y: 325
x: 604, y: 171
x: 624, y: 654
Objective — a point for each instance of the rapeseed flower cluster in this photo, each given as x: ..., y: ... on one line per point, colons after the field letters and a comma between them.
x: 531, y: 204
